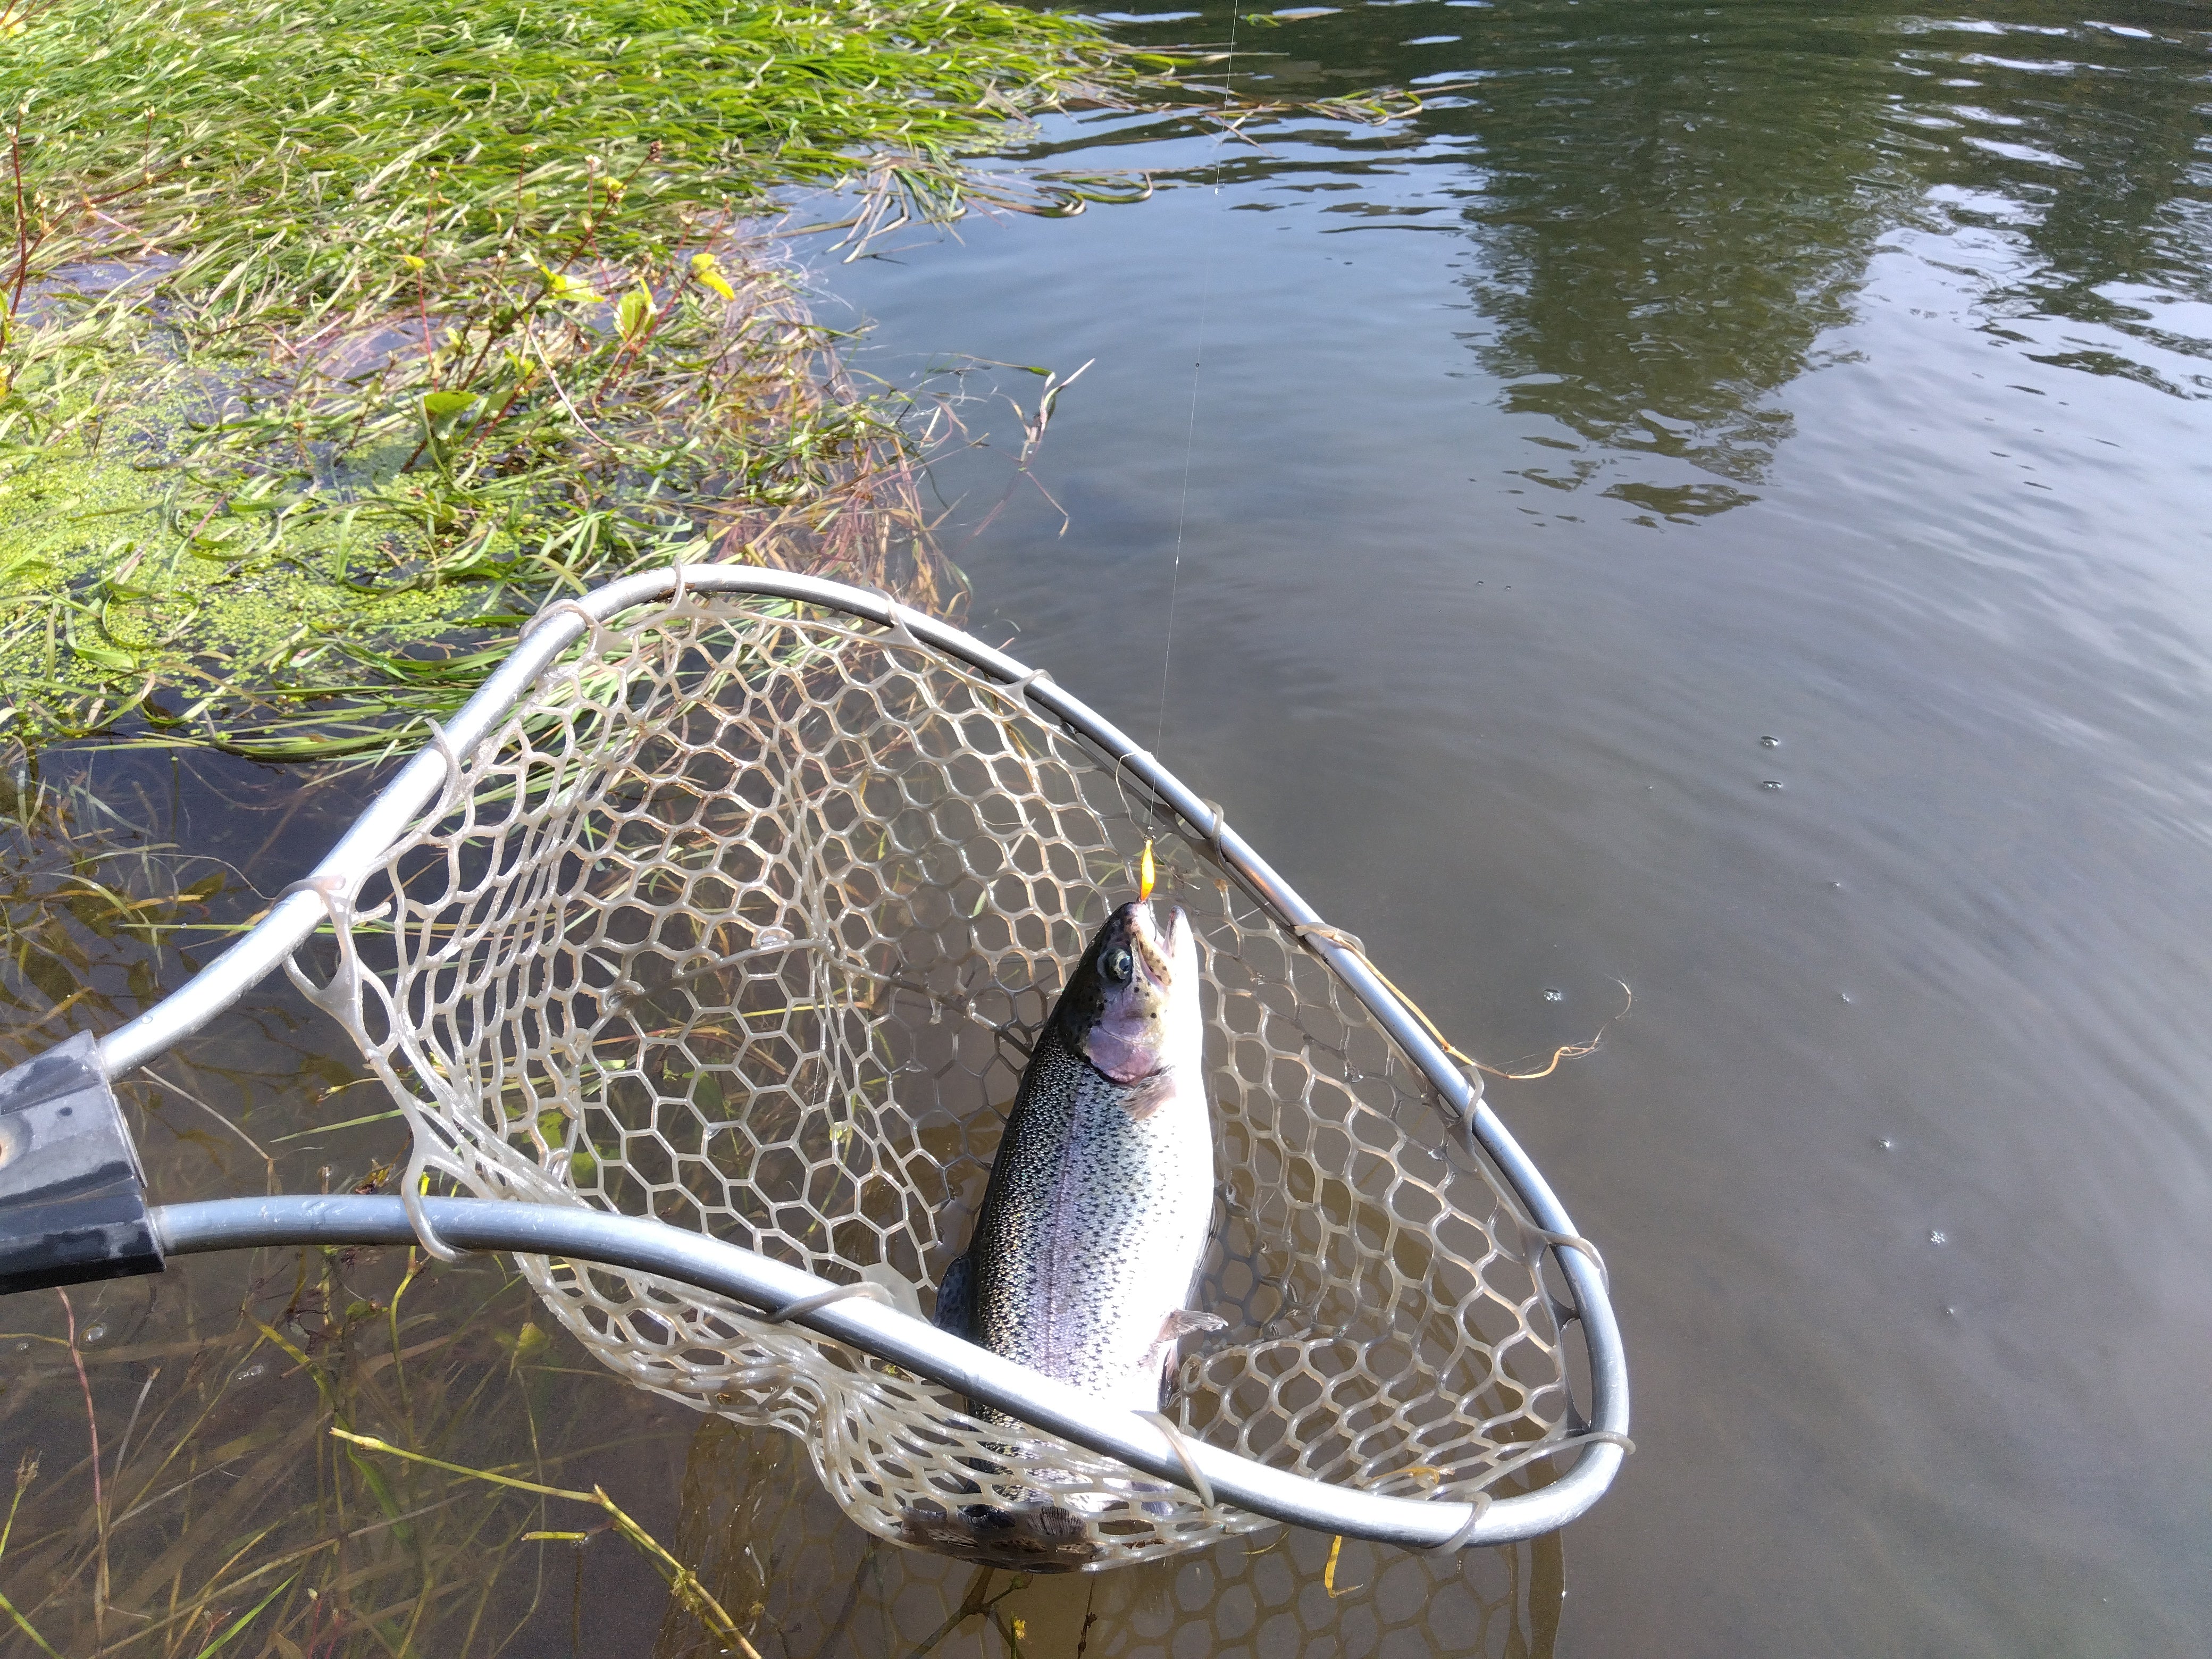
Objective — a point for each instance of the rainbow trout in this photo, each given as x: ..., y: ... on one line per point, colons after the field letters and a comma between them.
x: 1093, y: 1228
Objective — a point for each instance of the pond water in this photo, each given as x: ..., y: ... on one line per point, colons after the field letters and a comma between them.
x: 1715, y: 504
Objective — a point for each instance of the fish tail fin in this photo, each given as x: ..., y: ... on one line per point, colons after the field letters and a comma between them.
x: 956, y: 1299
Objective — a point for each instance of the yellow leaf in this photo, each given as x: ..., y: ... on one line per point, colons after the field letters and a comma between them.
x: 708, y: 270
x: 570, y: 288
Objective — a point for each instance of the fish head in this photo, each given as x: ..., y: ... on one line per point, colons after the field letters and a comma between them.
x: 1132, y: 1007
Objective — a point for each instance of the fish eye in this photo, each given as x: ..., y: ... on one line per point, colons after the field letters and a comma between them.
x: 1117, y: 965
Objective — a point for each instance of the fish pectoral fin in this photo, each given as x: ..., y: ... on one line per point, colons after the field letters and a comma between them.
x: 1183, y: 1320
x: 955, y: 1297
x: 1160, y: 1357
x: 1150, y: 1094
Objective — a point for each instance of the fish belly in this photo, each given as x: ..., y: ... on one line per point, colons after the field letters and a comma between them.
x: 1093, y: 1230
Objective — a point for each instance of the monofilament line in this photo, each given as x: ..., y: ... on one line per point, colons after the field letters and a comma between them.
x: 1198, y: 363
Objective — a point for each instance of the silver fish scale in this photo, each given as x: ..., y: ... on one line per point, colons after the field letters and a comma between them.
x: 1093, y: 1236
x: 747, y: 917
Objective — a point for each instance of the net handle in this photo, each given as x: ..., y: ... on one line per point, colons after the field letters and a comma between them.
x: 397, y: 809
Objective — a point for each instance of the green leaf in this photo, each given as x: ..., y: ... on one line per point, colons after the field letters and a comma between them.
x: 28, y: 1628
x: 243, y: 1620
x: 633, y: 314
x: 570, y: 288
x: 23, y: 565
x: 101, y: 656
x: 438, y: 405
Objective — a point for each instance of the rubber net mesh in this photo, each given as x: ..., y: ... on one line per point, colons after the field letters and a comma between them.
x: 745, y: 920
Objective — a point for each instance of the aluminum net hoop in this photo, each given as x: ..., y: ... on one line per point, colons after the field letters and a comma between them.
x: 744, y: 919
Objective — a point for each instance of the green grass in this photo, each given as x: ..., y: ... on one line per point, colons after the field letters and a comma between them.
x: 423, y: 316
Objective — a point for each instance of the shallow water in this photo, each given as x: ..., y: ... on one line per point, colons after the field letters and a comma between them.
x: 1715, y: 504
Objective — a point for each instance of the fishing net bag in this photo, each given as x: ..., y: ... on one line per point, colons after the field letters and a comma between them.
x: 741, y: 910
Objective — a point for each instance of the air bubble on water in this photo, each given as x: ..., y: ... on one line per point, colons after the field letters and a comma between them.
x: 1771, y: 783
x: 1885, y: 1143
x: 94, y: 1333
x: 1554, y: 995
x: 1844, y: 995
x: 1950, y: 1313
x: 258, y: 1368
x: 1936, y: 1236
x: 1771, y: 743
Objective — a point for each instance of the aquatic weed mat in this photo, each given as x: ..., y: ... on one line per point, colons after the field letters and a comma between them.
x: 337, y: 337
x: 310, y: 617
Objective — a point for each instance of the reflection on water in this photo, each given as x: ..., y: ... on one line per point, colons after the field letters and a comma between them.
x: 1666, y: 230
x: 1672, y: 206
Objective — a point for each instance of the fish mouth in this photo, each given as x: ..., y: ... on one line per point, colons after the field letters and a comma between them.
x: 1155, y: 954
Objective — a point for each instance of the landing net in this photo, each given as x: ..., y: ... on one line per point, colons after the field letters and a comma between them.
x: 745, y: 919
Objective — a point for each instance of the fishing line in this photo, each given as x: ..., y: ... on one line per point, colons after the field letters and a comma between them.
x: 1198, y: 364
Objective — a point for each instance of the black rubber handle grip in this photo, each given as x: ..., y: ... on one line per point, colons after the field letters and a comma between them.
x: 72, y: 1197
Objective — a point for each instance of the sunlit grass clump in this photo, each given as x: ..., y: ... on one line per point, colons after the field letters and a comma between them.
x: 341, y: 335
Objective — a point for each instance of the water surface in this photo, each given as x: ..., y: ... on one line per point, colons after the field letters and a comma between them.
x: 1717, y: 502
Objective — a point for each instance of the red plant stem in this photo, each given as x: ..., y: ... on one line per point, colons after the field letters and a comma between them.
x: 422, y: 301
x: 92, y: 1423
x: 22, y: 236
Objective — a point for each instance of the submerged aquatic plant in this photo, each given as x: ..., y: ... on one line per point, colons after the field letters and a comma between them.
x: 229, y: 1482
x: 92, y: 909
x: 337, y: 337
